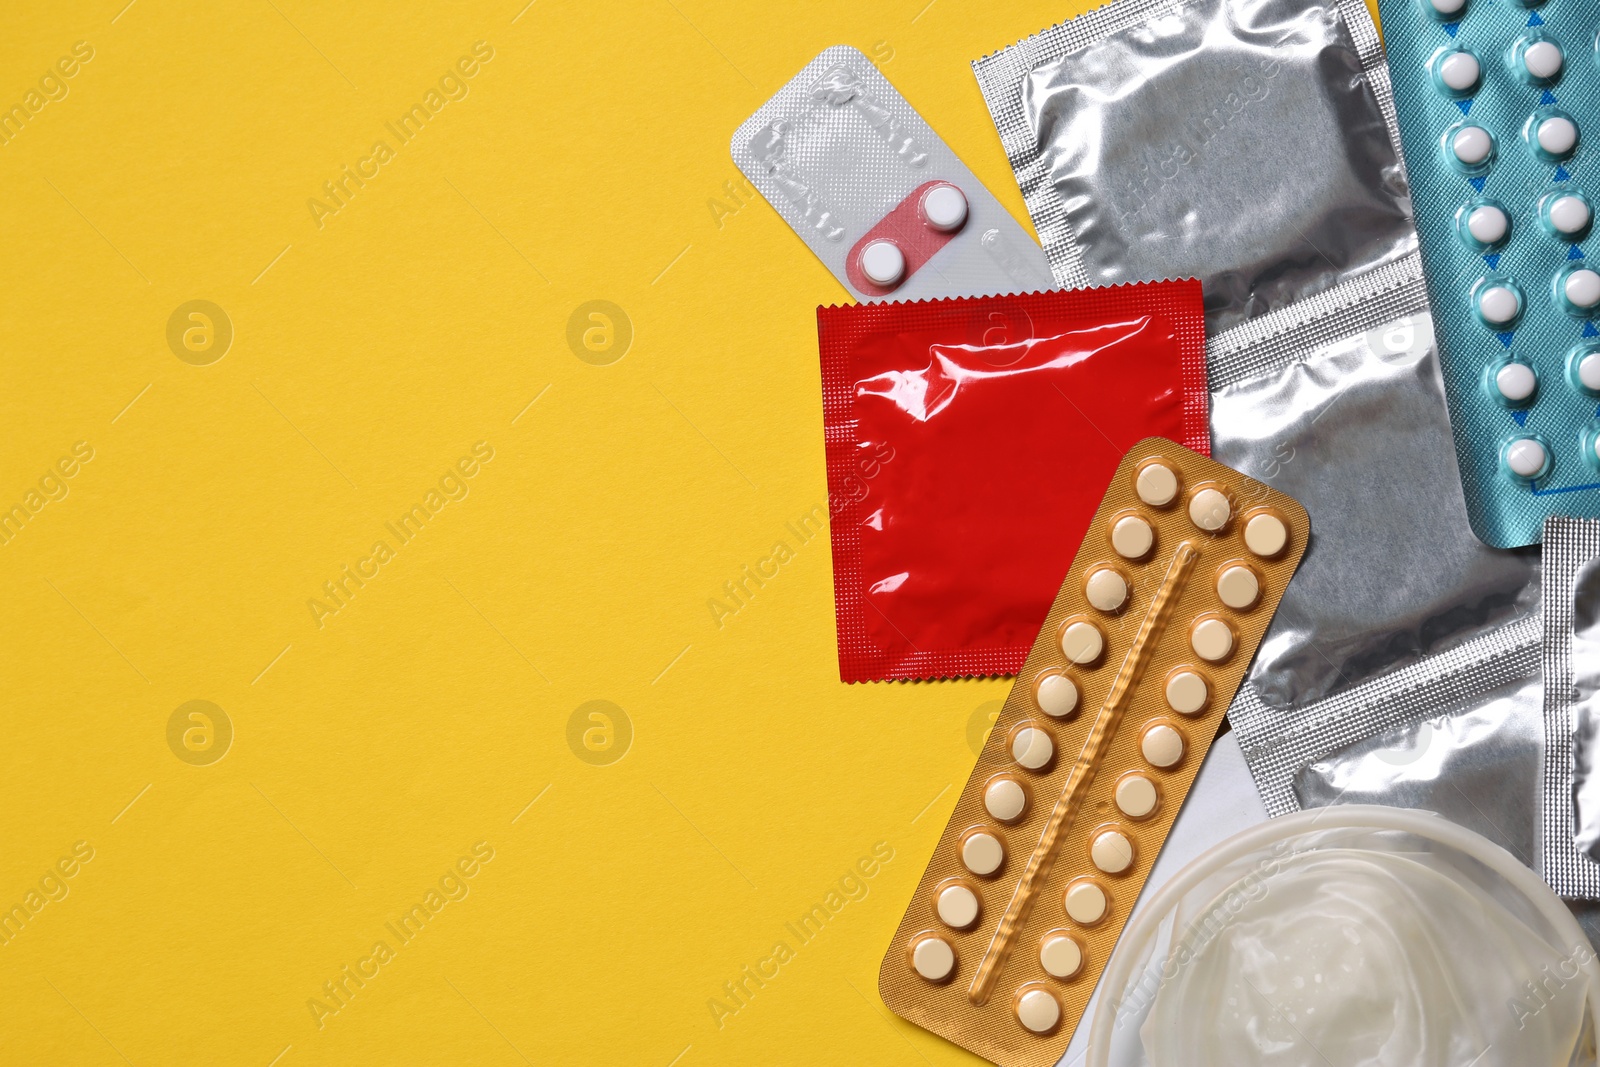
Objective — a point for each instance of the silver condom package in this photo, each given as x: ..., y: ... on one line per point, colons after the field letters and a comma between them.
x: 873, y: 191
x: 1248, y: 143
x: 1338, y: 401
x: 1458, y: 733
x: 1571, y: 829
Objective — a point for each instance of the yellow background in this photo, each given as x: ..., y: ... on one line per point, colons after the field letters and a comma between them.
x: 431, y: 712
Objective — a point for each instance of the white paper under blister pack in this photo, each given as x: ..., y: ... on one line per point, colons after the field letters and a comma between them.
x: 873, y: 191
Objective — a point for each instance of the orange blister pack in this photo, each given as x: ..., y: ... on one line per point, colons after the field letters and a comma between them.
x: 1092, y: 754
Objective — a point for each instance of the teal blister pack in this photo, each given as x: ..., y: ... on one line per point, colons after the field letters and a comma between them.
x: 1499, y: 109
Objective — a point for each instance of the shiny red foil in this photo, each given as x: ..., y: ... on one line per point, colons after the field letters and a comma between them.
x: 969, y: 442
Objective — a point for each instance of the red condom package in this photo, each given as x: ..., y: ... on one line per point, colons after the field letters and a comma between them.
x: 969, y: 442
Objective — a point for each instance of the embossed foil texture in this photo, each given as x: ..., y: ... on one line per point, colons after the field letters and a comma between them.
x: 842, y: 156
x: 1586, y: 706
x: 1247, y: 143
x: 1571, y: 830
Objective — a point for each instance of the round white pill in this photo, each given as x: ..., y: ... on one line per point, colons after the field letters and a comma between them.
x: 1186, y: 692
x: 1082, y: 643
x: 1542, y: 60
x: 1238, y: 587
x: 1005, y: 799
x: 883, y: 262
x: 1111, y: 851
x: 1557, y: 135
x: 1515, y: 381
x: 1211, y: 640
x: 1038, y: 1011
x: 933, y: 958
x: 1487, y: 224
x: 1472, y: 145
x: 1498, y: 304
x: 945, y: 208
x: 1106, y: 589
x: 957, y: 906
x: 1136, y: 796
x: 1086, y: 903
x: 1582, y: 288
x: 1589, y: 371
x: 1209, y: 509
x: 1032, y: 748
x: 1157, y: 484
x: 1569, y: 215
x: 1060, y: 957
x: 1132, y: 537
x: 1056, y: 695
x: 1161, y: 745
x: 982, y: 853
x: 1459, y: 71
x: 1526, y: 457
x: 1265, y: 534
x: 1448, y: 7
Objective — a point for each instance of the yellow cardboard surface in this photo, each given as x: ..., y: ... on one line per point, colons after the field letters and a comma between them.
x: 508, y: 788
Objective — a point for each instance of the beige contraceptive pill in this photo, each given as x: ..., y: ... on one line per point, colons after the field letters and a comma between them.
x: 1092, y: 755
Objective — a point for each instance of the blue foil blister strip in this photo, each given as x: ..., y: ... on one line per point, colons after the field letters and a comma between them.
x: 1499, y: 108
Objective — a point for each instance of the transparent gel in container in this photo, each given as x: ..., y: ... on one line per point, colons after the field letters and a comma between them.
x: 1351, y: 935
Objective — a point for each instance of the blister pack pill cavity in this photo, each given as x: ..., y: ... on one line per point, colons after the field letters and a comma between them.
x: 967, y: 441
x: 1499, y: 111
x: 873, y: 191
x: 1091, y: 757
x: 1247, y: 143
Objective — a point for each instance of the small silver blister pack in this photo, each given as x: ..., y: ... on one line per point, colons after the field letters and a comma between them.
x: 881, y: 200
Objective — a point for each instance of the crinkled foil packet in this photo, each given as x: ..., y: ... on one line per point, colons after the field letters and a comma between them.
x: 1249, y: 143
